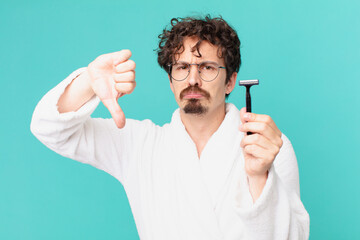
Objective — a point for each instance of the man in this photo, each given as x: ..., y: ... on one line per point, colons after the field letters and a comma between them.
x: 199, y: 177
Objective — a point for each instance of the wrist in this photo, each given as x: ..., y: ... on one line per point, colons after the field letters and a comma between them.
x: 257, y: 184
x: 76, y: 94
x: 258, y: 178
x: 84, y: 82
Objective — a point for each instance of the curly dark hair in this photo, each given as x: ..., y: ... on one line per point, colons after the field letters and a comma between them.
x: 214, y: 30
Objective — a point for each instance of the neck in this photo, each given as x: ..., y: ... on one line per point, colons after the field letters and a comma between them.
x: 201, y: 128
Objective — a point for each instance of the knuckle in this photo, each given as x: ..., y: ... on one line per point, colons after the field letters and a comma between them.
x: 257, y: 137
x: 245, y: 149
x: 128, y: 76
x: 133, y: 85
x: 132, y: 75
x: 247, y: 138
x: 251, y: 148
x: 277, y: 150
x: 126, y: 88
x: 118, y: 87
x: 132, y: 64
x: 275, y: 153
x: 281, y: 142
x: 268, y: 119
x: 129, y: 90
x: 262, y: 128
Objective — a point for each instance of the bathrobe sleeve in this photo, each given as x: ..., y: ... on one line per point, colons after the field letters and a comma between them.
x: 93, y: 141
x: 278, y: 213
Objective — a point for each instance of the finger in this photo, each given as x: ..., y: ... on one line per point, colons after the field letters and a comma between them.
x: 263, y: 129
x: 124, y: 77
x: 242, y: 113
x: 261, y: 141
x: 119, y: 57
x: 125, y: 87
x: 253, y: 117
x: 258, y: 140
x: 115, y: 110
x: 125, y: 66
x: 258, y: 152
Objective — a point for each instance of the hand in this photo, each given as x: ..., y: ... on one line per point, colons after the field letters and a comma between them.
x: 112, y: 75
x: 260, y: 148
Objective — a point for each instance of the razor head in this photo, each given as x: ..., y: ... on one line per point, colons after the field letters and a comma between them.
x: 248, y: 82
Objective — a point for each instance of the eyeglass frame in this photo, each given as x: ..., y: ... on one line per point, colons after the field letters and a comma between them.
x: 198, y: 65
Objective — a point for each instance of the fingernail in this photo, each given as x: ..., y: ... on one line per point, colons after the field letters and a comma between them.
x: 247, y: 116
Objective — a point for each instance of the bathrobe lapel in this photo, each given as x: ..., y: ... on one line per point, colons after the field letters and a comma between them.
x: 221, y: 155
x: 200, y: 181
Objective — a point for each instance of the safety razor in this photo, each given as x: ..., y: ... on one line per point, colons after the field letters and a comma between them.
x: 248, y: 84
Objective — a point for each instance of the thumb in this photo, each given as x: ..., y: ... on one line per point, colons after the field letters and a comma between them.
x: 242, y: 113
x: 115, y: 110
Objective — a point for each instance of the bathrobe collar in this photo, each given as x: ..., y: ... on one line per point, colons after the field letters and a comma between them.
x: 203, y: 180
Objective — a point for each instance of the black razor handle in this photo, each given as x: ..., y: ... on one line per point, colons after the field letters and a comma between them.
x: 248, y: 103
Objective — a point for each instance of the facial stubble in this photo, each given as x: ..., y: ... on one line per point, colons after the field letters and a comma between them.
x: 194, y: 105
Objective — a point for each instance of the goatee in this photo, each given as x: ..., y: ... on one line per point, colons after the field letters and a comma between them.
x: 194, y: 106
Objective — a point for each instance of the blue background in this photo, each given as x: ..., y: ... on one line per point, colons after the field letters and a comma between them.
x: 305, y: 53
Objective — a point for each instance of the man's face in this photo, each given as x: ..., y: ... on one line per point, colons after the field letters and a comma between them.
x: 193, y: 95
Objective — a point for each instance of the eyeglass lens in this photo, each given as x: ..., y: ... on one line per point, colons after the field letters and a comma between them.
x: 208, y: 71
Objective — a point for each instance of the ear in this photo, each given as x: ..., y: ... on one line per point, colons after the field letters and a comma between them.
x: 231, y: 84
x: 171, y: 84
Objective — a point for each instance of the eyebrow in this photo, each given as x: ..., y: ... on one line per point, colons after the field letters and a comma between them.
x: 198, y: 63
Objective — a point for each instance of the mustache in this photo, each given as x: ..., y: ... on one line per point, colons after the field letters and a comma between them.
x: 194, y: 89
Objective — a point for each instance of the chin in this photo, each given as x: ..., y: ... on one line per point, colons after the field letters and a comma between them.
x: 194, y: 106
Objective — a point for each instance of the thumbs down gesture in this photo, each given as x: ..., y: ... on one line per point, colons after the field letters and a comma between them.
x: 112, y: 75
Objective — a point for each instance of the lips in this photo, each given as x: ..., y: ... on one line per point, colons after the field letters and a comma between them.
x: 194, y: 92
x: 193, y: 95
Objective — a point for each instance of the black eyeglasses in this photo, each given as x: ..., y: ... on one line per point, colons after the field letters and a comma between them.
x: 208, y: 71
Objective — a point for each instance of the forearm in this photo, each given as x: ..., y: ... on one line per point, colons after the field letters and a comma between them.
x: 256, y: 185
x: 49, y: 125
x: 76, y: 94
x: 77, y: 136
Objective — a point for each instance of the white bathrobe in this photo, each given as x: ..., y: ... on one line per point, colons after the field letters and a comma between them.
x: 174, y: 194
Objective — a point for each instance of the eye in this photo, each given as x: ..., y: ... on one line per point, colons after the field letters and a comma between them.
x: 207, y: 67
x: 180, y: 67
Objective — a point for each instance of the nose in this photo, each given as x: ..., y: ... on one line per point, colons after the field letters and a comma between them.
x: 194, y: 76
